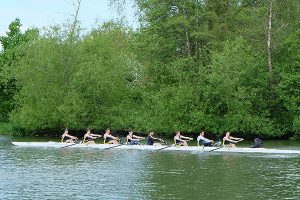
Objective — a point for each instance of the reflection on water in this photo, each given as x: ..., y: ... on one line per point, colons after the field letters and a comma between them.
x: 46, y: 173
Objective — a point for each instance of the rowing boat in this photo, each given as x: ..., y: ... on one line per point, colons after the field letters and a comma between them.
x: 162, y: 148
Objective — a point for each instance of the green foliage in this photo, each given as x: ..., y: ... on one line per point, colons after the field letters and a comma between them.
x: 192, y: 65
x: 288, y: 89
x: 101, y: 86
x: 235, y: 91
x: 74, y: 85
x: 6, y: 129
x: 11, y: 43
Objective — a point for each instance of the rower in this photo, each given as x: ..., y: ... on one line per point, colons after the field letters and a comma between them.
x: 204, y: 141
x: 179, y: 139
x: 90, y: 137
x: 133, y: 139
x: 257, y: 143
x: 67, y: 138
x: 230, y: 141
x: 151, y: 140
x: 109, y: 139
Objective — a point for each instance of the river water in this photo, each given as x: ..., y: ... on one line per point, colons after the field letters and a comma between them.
x: 71, y: 173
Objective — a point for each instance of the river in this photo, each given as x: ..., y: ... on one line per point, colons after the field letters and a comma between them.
x: 71, y: 173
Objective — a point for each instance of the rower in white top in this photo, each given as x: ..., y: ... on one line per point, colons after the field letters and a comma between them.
x: 204, y: 141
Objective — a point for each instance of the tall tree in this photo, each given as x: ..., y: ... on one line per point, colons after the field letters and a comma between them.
x: 11, y: 44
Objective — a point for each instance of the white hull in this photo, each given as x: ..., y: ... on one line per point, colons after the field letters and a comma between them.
x: 155, y: 148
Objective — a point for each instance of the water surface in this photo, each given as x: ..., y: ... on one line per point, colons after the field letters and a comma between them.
x: 70, y: 173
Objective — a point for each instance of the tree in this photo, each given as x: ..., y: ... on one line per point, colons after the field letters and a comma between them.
x: 11, y: 44
x: 287, y: 61
x: 234, y: 98
x: 76, y: 85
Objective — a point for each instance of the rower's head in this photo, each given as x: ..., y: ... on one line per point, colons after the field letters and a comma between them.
x: 66, y: 130
x: 130, y: 131
x: 107, y: 130
x: 151, y: 133
x: 88, y: 130
x: 228, y: 134
x: 202, y: 133
x: 177, y: 133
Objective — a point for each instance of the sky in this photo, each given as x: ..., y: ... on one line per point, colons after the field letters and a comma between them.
x: 40, y: 13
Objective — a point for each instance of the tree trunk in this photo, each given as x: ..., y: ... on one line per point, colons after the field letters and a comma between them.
x: 187, y: 34
x: 187, y: 43
x: 269, y: 47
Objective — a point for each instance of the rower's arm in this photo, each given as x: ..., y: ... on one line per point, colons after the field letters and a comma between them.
x: 96, y: 135
x: 236, y: 138
x: 90, y: 136
x: 138, y: 137
x: 154, y: 138
x: 73, y: 137
x: 112, y: 137
x: 179, y: 139
x: 132, y: 139
x: 188, y: 138
x: 229, y: 140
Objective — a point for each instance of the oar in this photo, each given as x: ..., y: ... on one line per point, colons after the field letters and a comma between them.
x: 113, y: 146
x: 161, y: 140
x: 215, y: 149
x: 72, y: 144
x: 219, y: 147
x: 165, y: 147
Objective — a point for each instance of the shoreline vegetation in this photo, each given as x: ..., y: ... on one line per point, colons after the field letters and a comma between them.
x: 190, y: 66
